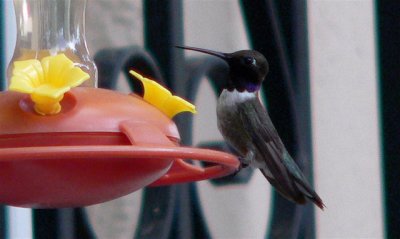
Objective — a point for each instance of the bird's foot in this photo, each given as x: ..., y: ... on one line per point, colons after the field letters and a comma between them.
x: 241, y: 166
x: 243, y: 163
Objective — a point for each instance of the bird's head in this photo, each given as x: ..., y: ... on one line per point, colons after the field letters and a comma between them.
x: 247, y: 68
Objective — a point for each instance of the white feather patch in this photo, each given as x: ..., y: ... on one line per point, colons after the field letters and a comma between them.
x: 235, y: 97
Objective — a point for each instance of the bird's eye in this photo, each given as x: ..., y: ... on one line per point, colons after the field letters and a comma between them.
x: 249, y: 61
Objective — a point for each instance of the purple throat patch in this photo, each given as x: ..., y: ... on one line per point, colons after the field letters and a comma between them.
x: 251, y: 87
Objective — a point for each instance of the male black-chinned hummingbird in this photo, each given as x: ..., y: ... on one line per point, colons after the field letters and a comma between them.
x: 245, y: 124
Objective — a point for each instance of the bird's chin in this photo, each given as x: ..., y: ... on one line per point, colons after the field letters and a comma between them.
x: 241, y: 90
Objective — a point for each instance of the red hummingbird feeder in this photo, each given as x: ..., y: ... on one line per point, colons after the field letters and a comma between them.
x: 63, y: 147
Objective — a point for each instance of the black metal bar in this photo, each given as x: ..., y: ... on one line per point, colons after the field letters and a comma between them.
x: 278, y: 30
x: 66, y: 226
x: 81, y: 228
x: 3, y: 222
x: 45, y: 223
x: 299, y: 53
x: 199, y: 229
x: 388, y: 28
x: 163, y: 30
x: 157, y: 213
x: 60, y: 224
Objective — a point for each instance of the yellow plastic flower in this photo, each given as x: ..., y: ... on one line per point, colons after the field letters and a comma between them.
x: 158, y: 96
x: 46, y: 81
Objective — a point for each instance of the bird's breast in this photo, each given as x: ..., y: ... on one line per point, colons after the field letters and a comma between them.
x: 229, y: 121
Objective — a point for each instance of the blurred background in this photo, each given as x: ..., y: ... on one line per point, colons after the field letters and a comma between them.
x: 333, y: 94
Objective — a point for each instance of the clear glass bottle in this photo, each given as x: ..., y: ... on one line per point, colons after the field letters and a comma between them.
x: 50, y: 27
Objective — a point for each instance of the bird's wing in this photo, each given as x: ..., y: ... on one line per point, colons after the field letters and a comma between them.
x: 281, y: 170
x: 266, y: 141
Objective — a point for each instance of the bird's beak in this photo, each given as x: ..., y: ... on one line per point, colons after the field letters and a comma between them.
x: 221, y: 55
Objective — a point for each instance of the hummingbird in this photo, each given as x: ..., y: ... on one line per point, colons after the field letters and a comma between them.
x: 246, y: 126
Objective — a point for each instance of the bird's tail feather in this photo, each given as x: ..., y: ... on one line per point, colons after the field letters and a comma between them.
x: 304, y: 189
x: 310, y: 193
